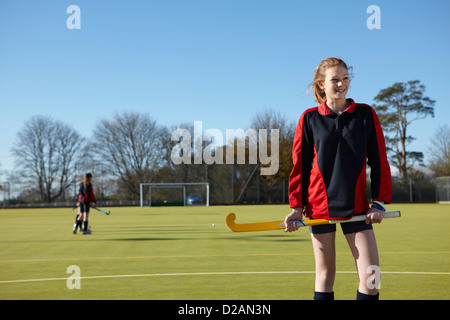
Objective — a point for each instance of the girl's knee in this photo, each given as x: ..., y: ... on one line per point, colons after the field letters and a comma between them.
x: 326, y: 276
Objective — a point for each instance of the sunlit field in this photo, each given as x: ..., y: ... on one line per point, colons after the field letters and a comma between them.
x: 176, y: 253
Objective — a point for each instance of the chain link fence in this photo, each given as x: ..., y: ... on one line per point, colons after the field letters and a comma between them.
x: 256, y: 189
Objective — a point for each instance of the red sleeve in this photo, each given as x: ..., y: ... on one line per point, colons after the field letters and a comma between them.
x: 380, y: 171
x: 302, y: 157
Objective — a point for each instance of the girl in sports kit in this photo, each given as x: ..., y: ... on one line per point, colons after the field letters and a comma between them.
x: 332, y: 145
x: 85, y: 198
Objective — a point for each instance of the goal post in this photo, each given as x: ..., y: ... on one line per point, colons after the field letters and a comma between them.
x: 184, y: 187
x: 443, y: 190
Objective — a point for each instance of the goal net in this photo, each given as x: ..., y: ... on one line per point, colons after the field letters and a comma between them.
x: 443, y: 189
x: 174, y: 194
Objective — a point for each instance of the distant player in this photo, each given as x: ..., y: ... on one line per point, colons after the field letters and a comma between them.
x: 86, y: 197
x: 332, y: 144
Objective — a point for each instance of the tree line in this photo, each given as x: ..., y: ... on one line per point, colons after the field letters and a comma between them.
x: 130, y: 148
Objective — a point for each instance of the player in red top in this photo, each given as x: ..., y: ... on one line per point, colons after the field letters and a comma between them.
x: 85, y: 198
x: 332, y: 145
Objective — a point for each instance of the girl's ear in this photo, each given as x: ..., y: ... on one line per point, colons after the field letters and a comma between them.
x: 320, y: 84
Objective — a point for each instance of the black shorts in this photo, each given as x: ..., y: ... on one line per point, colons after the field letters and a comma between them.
x: 347, y: 228
x: 84, y: 207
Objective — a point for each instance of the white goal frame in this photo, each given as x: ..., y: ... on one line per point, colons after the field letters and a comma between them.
x: 169, y: 186
x: 443, y: 190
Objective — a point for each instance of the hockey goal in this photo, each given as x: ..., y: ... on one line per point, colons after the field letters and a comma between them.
x: 174, y: 194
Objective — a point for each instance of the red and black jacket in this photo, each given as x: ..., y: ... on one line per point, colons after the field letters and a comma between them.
x: 329, y: 155
x: 86, y: 193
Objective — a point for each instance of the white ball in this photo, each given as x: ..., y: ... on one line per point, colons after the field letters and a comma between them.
x: 213, y: 224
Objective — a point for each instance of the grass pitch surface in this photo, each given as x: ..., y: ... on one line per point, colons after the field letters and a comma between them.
x: 177, y: 253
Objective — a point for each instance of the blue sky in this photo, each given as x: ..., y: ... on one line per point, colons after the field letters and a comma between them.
x: 217, y: 61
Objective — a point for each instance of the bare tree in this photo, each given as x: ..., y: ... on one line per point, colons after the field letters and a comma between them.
x: 46, y: 152
x: 270, y: 119
x: 131, y: 146
x: 244, y: 175
x: 440, y: 152
x: 189, y: 171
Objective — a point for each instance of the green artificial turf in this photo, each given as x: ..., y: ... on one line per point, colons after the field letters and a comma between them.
x: 176, y: 253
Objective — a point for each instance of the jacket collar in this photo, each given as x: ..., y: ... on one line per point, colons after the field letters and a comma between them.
x: 325, y: 111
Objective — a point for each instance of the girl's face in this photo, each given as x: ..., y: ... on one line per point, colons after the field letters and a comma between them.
x: 336, y: 83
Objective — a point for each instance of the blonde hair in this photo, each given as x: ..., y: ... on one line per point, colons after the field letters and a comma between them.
x: 319, y: 76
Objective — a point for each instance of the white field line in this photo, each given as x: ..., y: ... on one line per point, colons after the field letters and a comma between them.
x: 212, y: 274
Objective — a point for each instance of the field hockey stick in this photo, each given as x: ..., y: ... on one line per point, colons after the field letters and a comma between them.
x: 275, y: 225
x: 107, y: 213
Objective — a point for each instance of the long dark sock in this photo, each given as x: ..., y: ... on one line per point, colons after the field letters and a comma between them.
x: 363, y: 296
x: 85, y: 225
x: 323, y: 295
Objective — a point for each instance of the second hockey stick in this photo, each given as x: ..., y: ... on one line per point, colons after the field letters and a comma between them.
x: 107, y: 213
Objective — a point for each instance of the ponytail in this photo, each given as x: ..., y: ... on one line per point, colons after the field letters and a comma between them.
x: 87, y: 179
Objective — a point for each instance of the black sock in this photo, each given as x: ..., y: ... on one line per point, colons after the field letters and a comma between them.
x: 78, y: 224
x: 323, y: 295
x: 85, y: 225
x: 363, y: 296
